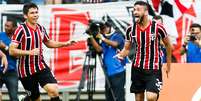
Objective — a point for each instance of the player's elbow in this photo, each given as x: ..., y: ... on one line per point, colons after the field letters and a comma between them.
x: 12, y: 52
x: 169, y: 46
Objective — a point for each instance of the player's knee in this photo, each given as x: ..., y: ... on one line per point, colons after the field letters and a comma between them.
x: 151, y: 96
x: 139, y: 96
x: 53, y: 92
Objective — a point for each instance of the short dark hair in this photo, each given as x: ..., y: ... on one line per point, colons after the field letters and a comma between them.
x: 142, y: 3
x: 104, y: 25
x: 195, y: 25
x: 27, y: 6
x: 14, y: 22
x: 108, y: 24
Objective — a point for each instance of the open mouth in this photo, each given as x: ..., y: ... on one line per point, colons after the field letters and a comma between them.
x: 137, y: 18
x: 35, y: 19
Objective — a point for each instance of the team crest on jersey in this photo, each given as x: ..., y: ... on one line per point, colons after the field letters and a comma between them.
x: 153, y: 37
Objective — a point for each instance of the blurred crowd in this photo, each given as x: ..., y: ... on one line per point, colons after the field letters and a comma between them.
x: 42, y: 2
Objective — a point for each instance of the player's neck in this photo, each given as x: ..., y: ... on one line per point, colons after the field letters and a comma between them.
x: 144, y: 23
x: 32, y: 25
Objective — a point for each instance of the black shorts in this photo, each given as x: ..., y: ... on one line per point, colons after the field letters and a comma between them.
x: 145, y: 80
x: 31, y: 83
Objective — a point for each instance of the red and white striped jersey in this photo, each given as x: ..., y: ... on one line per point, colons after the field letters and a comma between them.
x: 147, y: 53
x: 27, y: 39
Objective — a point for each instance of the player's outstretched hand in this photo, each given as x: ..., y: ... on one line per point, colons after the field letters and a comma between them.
x: 167, y: 70
x: 35, y: 51
x: 71, y: 42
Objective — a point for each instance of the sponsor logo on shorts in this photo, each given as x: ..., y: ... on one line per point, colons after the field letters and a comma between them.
x: 158, y: 84
x: 28, y: 92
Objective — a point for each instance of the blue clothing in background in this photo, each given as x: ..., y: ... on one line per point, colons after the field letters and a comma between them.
x: 11, y: 60
x: 164, y: 54
x: 113, y: 65
x: 10, y: 77
x: 193, y: 53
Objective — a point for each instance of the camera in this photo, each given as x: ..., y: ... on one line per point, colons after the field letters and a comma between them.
x: 192, y: 37
x: 93, y: 29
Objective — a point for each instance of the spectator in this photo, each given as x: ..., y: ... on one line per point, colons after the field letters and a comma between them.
x: 27, y: 45
x: 10, y: 77
x: 112, y: 42
x: 192, y: 44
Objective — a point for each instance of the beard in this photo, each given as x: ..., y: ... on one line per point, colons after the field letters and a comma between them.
x: 139, y: 19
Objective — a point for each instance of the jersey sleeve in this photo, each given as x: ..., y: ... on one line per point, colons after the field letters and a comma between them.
x: 46, y: 36
x: 128, y: 33
x: 18, y: 35
x: 162, y: 32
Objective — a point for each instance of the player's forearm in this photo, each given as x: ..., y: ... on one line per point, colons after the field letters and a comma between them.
x: 57, y: 44
x: 18, y: 52
x: 54, y: 44
x: 169, y: 53
x: 169, y: 48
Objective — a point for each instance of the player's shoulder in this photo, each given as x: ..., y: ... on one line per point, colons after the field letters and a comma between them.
x: 157, y: 24
x: 19, y: 28
x: 41, y: 26
x: 129, y: 28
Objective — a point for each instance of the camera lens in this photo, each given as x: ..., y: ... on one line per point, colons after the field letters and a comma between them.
x: 192, y: 38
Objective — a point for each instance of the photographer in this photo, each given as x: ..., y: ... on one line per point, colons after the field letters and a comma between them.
x: 192, y: 44
x: 112, y: 43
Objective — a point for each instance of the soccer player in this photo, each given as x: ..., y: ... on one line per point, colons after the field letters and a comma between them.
x: 27, y: 46
x: 146, y: 72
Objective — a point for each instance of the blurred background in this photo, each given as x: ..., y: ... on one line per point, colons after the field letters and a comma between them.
x: 69, y: 19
